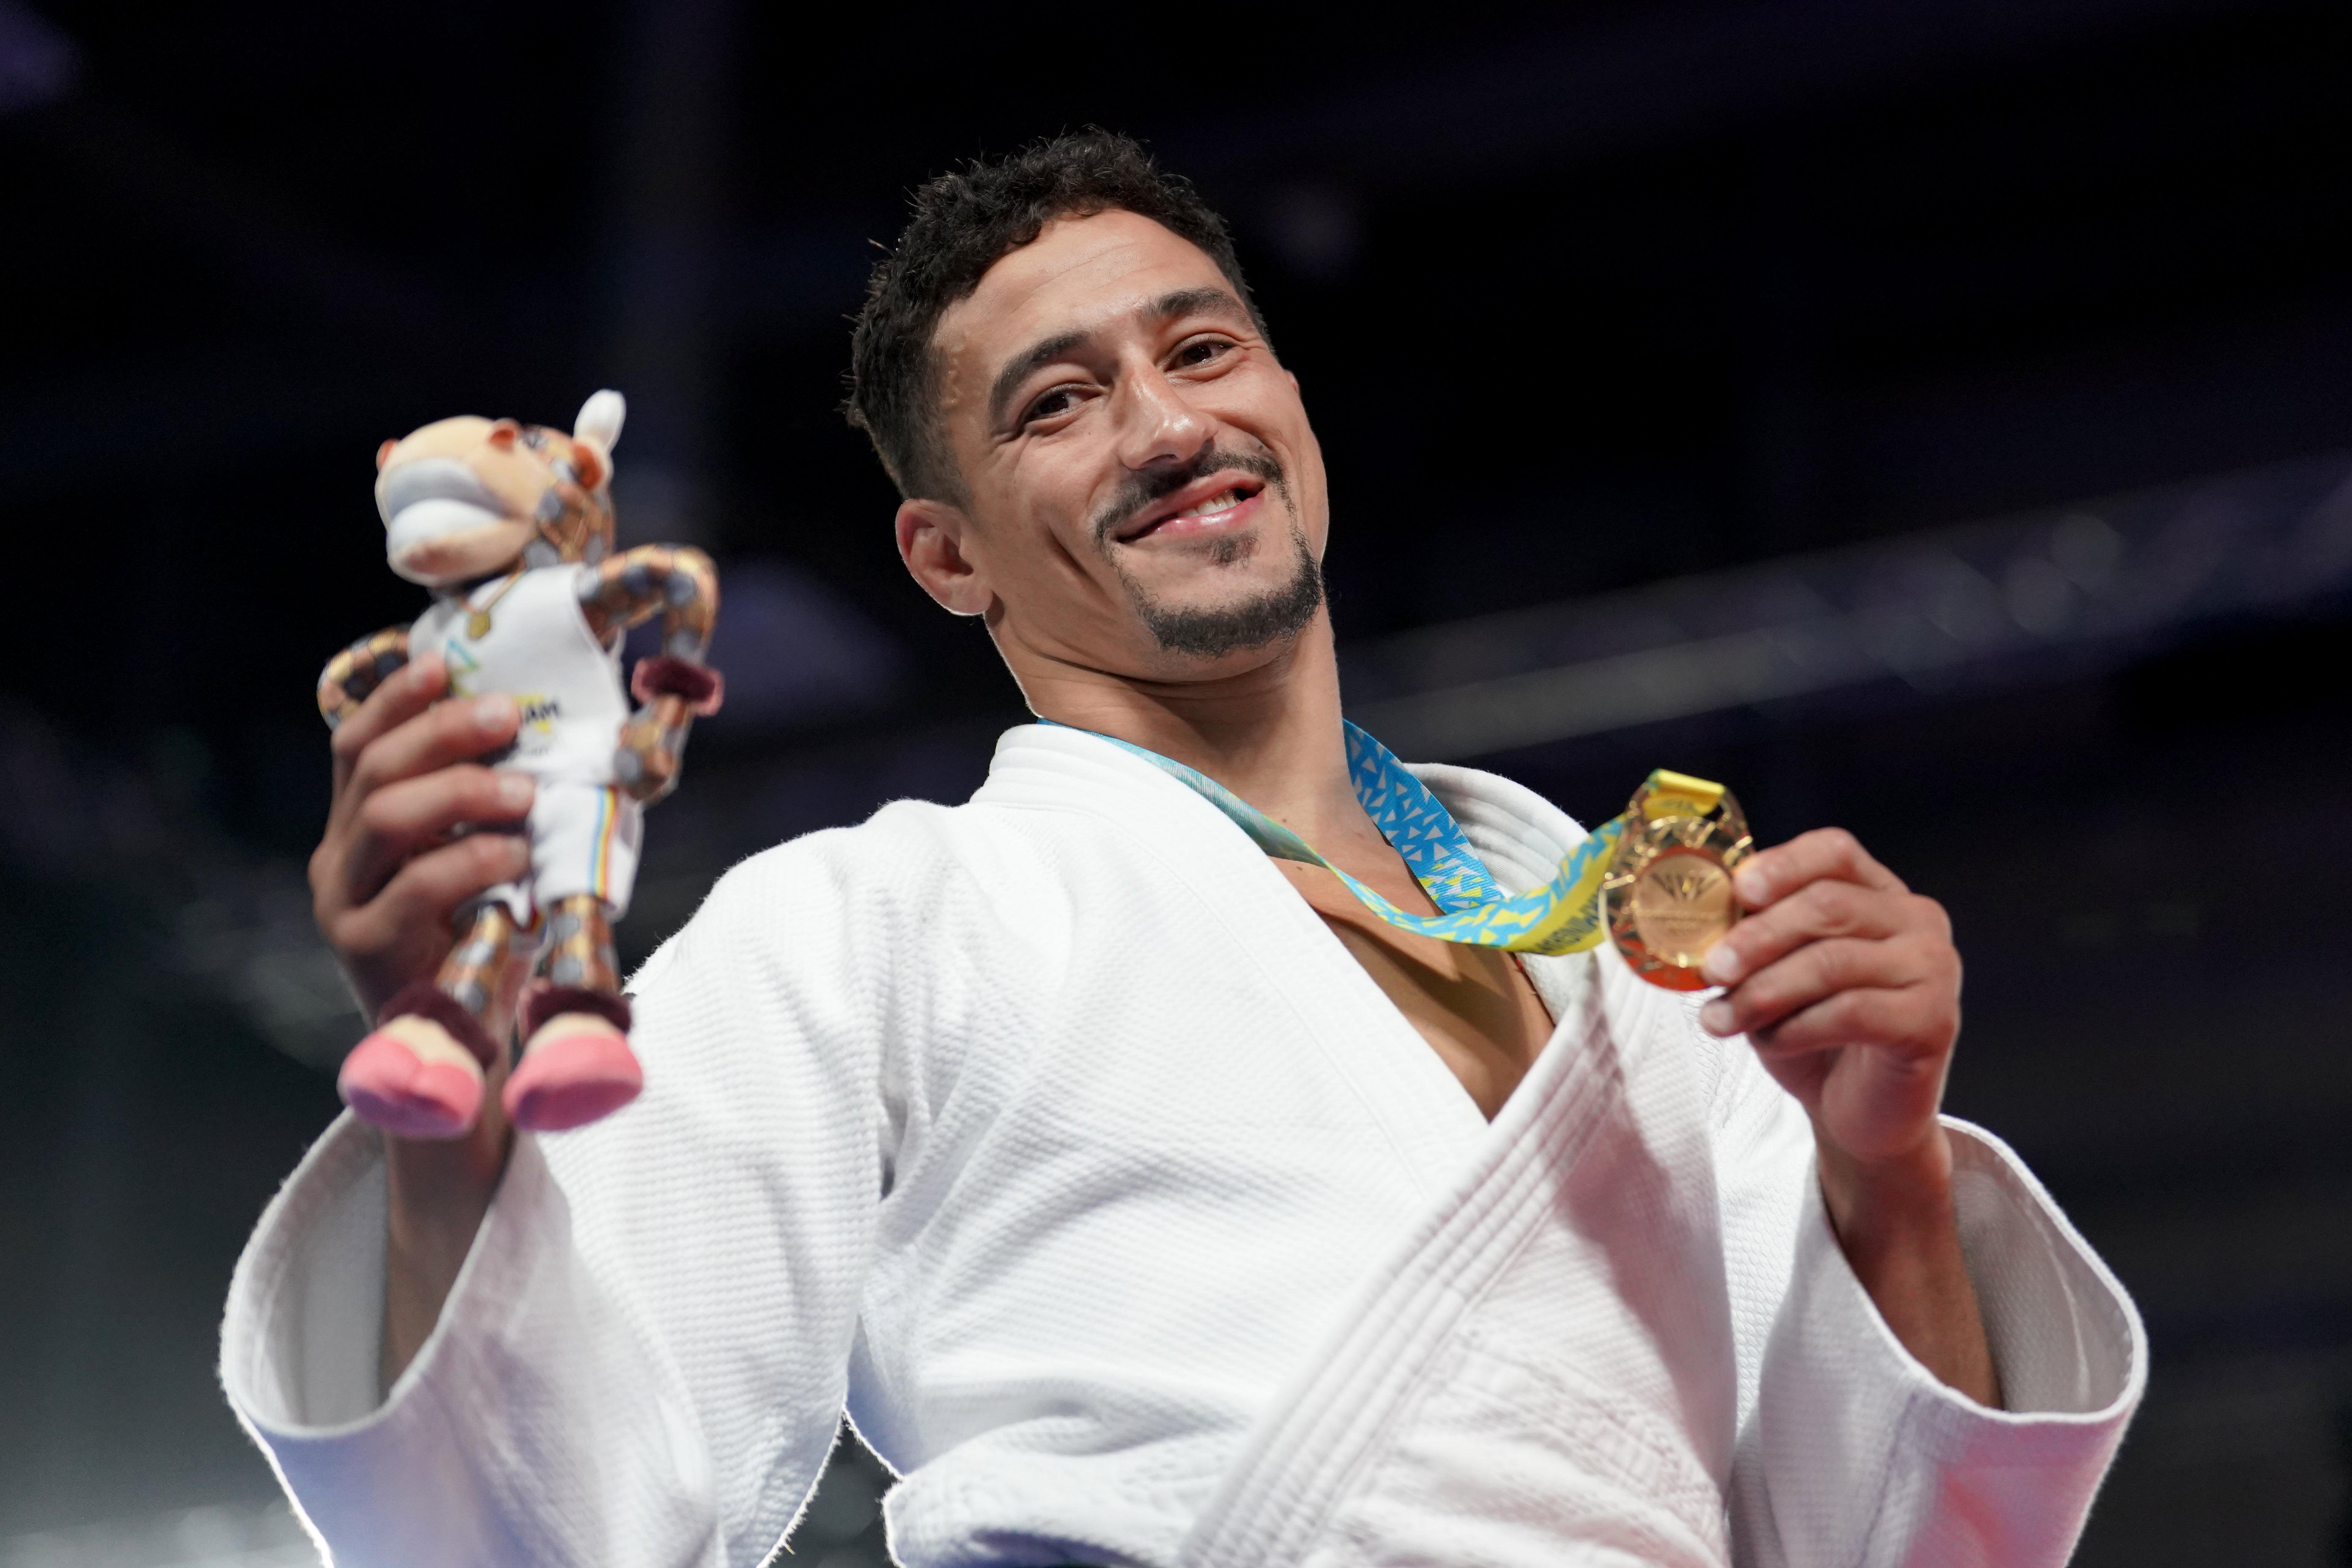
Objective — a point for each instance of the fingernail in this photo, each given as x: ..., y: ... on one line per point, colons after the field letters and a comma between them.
x: 1722, y: 965
x: 515, y: 790
x: 1716, y: 1017
x: 1752, y: 886
x: 426, y: 665
x: 494, y: 712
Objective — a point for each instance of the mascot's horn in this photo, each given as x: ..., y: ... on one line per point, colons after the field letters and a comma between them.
x: 600, y: 418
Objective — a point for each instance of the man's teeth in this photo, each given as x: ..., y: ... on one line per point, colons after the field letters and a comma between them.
x: 1217, y: 503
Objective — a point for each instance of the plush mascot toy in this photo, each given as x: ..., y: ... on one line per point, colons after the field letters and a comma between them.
x: 511, y: 527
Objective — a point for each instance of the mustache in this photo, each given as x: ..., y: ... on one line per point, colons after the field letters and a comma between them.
x: 1149, y: 489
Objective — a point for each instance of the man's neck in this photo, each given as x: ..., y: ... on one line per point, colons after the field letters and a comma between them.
x: 1271, y: 733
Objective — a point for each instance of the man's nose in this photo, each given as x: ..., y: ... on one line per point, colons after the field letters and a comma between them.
x: 1156, y: 424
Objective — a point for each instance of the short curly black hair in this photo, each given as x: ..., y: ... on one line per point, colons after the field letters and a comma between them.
x: 963, y: 223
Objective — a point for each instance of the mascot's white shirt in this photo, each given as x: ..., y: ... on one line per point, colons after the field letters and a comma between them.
x: 1057, y: 1136
x: 539, y: 650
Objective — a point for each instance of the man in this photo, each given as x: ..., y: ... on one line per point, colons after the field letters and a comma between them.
x: 1147, y: 1198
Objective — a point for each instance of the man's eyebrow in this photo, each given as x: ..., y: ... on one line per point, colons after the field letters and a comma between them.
x: 1202, y: 301
x: 1046, y: 350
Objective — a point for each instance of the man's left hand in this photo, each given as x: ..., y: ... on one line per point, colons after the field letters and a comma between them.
x: 1848, y: 985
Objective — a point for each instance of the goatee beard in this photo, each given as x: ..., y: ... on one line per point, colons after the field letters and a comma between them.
x: 1274, y: 616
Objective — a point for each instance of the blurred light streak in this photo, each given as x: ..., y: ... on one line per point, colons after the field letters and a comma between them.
x: 2043, y: 597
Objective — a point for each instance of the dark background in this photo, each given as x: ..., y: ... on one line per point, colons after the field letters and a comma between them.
x: 2006, y: 347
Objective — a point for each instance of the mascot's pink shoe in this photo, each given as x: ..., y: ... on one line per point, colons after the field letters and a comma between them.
x: 576, y: 1062
x: 419, y: 1074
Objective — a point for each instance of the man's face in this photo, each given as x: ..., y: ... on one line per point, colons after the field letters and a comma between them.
x: 1144, y: 495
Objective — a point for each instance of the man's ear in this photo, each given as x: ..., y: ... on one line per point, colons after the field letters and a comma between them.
x: 381, y: 453
x: 933, y: 541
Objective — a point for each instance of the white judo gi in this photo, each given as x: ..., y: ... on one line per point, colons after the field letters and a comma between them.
x: 1059, y: 1138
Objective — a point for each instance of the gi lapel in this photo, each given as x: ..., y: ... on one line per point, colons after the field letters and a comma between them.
x: 1542, y: 1371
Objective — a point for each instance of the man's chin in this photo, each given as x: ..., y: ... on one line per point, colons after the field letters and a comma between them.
x: 1232, y: 623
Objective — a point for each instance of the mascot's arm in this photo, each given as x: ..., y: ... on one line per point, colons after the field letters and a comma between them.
x: 674, y: 686
x: 358, y: 670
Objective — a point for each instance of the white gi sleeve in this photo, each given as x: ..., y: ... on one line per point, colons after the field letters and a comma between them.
x: 643, y: 1357
x: 1850, y: 1451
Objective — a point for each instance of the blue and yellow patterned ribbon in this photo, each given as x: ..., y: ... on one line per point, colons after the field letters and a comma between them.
x: 1563, y: 916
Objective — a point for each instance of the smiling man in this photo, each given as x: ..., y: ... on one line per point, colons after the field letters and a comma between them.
x: 1150, y: 1188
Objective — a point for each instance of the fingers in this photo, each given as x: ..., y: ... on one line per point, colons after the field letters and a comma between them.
x: 1804, y: 977
x: 400, y: 819
x: 1872, y: 1016
x: 408, y: 691
x: 444, y: 733
x: 1908, y: 982
x: 1827, y: 908
x: 1825, y: 852
x: 383, y: 886
x: 406, y: 926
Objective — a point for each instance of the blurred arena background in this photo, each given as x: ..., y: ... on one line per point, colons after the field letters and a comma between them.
x: 1935, y: 418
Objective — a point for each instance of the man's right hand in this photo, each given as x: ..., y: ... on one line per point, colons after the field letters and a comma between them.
x: 388, y: 875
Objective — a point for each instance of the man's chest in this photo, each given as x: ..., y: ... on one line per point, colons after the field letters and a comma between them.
x: 1473, y: 1006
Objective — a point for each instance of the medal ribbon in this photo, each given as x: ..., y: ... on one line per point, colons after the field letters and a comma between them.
x: 1562, y: 916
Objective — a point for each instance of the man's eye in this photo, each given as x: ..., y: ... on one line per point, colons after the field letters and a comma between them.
x: 1058, y: 401
x: 1202, y: 352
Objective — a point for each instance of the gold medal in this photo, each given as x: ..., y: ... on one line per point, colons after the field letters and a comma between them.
x: 1668, y: 890
x: 477, y: 619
